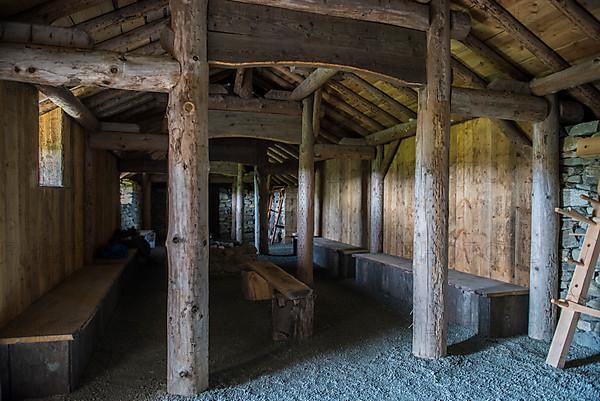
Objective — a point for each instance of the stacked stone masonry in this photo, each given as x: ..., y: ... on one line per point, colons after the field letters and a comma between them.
x: 579, y: 176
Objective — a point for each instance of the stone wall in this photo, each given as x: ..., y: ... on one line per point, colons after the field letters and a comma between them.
x: 131, y: 215
x: 225, y: 213
x: 579, y: 177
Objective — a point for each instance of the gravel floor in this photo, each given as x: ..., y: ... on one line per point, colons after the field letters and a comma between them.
x: 361, y: 351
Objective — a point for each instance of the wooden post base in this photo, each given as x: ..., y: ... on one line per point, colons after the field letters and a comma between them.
x: 292, y: 319
x: 254, y: 287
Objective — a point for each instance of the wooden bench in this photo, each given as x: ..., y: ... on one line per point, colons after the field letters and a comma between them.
x: 45, y: 349
x: 336, y: 257
x: 489, y: 307
x: 292, y: 301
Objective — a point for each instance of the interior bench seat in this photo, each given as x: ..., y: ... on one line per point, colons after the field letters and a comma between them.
x: 292, y: 301
x: 489, y: 307
x: 45, y: 349
x: 336, y: 257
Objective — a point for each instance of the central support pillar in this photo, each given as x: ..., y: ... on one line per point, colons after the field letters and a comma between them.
x: 239, y: 204
x: 545, y: 225
x: 376, y: 211
x: 306, y: 191
x: 430, y: 255
x: 188, y: 240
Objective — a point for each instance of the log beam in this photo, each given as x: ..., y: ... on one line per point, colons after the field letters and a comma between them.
x: 124, y: 141
x: 313, y: 82
x: 56, y: 66
x: 306, y: 184
x: 545, y: 229
x: 568, y: 78
x: 498, y: 104
x: 71, y: 105
x: 430, y: 256
x: 404, y: 13
x: 188, y: 239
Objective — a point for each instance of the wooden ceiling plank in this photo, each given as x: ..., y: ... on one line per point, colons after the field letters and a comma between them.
x: 586, y: 94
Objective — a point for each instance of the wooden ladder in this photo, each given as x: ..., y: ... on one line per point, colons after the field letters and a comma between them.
x: 277, y: 210
x: 573, y: 304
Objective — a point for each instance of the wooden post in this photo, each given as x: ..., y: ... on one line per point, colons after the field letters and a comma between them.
x: 233, y: 209
x: 430, y: 259
x: 306, y: 187
x: 318, y: 198
x: 147, y: 199
x: 256, y: 209
x: 263, y: 210
x: 239, y: 204
x: 187, y: 240
x: 545, y: 228
x: 90, y: 202
x: 376, y: 212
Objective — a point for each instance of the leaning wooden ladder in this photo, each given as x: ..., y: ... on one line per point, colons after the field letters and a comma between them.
x: 573, y: 304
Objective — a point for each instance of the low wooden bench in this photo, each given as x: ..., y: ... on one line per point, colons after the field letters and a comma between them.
x: 489, y: 307
x: 292, y: 301
x: 336, y: 257
x: 45, y: 349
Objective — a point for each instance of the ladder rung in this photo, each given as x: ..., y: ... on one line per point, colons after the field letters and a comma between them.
x: 575, y: 307
x: 594, y: 202
x: 575, y: 216
x: 574, y: 262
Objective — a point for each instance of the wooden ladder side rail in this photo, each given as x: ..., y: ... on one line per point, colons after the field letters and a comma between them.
x: 278, y: 216
x: 577, y: 293
x: 575, y: 216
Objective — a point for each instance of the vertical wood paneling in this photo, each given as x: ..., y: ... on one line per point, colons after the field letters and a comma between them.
x: 490, y: 203
x: 41, y: 229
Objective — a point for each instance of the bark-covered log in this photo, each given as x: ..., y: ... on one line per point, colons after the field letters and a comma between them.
x: 430, y: 256
x: 306, y: 187
x: 187, y: 238
x: 545, y: 191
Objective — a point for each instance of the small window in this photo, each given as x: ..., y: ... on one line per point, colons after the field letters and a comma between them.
x: 51, y: 149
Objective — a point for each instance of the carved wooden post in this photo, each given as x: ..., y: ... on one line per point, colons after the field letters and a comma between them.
x: 239, y: 204
x: 376, y: 212
x: 187, y: 240
x: 147, y: 199
x: 545, y: 228
x: 306, y: 187
x: 430, y: 259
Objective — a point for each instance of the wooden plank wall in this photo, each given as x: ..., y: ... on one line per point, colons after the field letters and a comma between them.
x: 490, y: 203
x: 42, y: 229
x: 345, y: 201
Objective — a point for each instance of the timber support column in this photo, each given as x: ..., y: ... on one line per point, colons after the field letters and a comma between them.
x: 239, y: 204
x: 376, y: 212
x: 263, y: 210
x: 187, y: 240
x: 544, y: 225
x: 318, y: 198
x: 430, y: 258
x: 306, y: 193
x: 147, y: 199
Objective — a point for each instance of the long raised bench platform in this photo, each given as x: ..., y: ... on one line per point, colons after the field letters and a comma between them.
x: 45, y: 349
x: 336, y: 257
x: 489, y: 307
